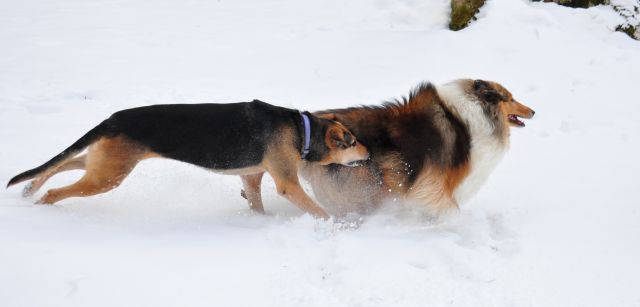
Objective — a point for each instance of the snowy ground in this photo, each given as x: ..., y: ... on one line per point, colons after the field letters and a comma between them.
x: 558, y: 224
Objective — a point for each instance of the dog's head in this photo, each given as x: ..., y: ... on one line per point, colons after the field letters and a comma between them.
x: 341, y: 146
x: 499, y: 102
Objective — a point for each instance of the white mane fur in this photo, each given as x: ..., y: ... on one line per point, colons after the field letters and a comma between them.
x: 487, y: 149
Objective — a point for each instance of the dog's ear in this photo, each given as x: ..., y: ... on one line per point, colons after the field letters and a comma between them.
x: 486, y: 92
x: 349, y: 139
x: 336, y: 138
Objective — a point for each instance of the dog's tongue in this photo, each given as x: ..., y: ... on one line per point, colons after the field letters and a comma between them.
x: 514, y: 119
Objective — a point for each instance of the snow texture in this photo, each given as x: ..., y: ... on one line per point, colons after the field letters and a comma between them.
x: 557, y: 224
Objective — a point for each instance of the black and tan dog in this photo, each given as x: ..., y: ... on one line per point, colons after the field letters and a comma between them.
x: 245, y: 139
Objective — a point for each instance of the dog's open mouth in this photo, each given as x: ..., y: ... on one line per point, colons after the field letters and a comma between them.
x: 515, y: 120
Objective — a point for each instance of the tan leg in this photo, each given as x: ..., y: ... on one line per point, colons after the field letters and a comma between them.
x: 295, y: 194
x: 251, y: 191
x: 282, y: 161
x: 108, y: 163
x: 435, y: 189
x: 289, y: 187
x: 36, y: 184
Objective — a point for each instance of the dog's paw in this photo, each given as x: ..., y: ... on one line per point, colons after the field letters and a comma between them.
x: 47, y: 199
x: 243, y: 194
x: 28, y: 190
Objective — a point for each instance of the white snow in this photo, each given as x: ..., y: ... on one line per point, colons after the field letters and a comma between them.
x: 557, y: 224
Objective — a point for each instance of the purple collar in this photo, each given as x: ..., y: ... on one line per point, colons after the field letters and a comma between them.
x: 307, y: 135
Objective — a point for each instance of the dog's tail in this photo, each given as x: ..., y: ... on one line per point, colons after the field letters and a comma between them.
x: 94, y: 134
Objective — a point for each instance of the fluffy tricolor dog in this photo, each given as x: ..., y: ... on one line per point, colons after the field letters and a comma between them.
x: 246, y: 139
x: 434, y: 148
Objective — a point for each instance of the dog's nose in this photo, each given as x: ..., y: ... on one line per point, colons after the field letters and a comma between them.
x: 533, y: 113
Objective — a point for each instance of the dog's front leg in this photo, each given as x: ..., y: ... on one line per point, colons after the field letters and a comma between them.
x: 285, y: 174
x: 295, y: 194
x: 289, y: 187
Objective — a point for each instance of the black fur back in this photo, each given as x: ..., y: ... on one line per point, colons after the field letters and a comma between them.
x: 216, y: 136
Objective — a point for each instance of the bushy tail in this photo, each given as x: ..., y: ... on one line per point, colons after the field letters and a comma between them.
x: 70, y: 152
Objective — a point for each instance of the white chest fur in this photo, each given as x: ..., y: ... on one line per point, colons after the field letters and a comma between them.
x: 487, y: 149
x: 486, y: 152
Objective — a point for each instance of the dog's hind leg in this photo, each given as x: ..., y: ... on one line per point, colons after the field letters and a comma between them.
x: 251, y: 191
x: 35, y: 185
x: 107, y: 164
